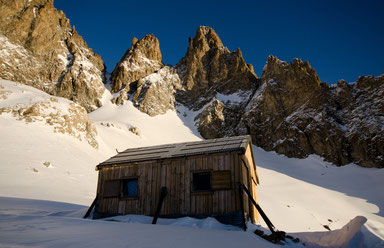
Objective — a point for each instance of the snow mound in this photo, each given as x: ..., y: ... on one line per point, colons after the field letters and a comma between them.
x: 348, y: 236
x: 206, y: 223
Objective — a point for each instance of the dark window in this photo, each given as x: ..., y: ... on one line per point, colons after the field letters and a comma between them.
x: 202, y: 181
x: 130, y: 187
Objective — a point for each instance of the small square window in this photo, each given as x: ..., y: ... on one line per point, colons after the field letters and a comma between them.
x: 130, y: 188
x: 202, y: 181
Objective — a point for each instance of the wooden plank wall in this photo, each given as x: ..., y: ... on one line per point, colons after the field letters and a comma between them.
x: 248, y: 157
x: 176, y: 175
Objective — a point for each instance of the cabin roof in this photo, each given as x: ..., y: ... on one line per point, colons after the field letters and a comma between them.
x: 148, y: 153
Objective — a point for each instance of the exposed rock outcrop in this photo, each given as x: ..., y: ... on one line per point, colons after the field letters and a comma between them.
x: 209, y: 68
x: 142, y: 59
x: 39, y: 47
x: 295, y: 114
x: 33, y: 106
x: 155, y: 92
x: 216, y: 82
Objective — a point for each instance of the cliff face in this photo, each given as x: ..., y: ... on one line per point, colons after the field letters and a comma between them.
x: 209, y: 68
x: 142, y: 59
x: 40, y: 48
x: 288, y: 110
x: 215, y: 82
x: 295, y: 114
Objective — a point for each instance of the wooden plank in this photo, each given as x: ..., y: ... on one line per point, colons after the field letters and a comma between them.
x: 154, y: 201
x: 233, y: 191
x: 142, y: 189
x: 182, y: 184
x: 228, y: 192
x: 245, y: 176
x: 167, y: 202
x: 193, y: 197
x: 210, y: 165
x: 221, y: 180
x: 188, y: 181
x: 171, y: 189
x: 158, y: 181
x: 175, y: 200
x: 199, y: 203
x: 111, y: 188
x: 236, y: 206
x: 121, y: 207
x: 148, y: 182
x: 163, y: 176
x: 215, y: 197
x: 178, y: 186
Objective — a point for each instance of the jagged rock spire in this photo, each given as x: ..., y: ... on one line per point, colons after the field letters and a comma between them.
x: 209, y: 67
x: 142, y: 59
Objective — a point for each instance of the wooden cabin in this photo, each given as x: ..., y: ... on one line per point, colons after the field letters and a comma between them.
x: 201, y: 179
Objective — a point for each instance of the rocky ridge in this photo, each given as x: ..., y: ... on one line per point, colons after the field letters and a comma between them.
x: 288, y: 110
x: 40, y: 48
x: 210, y: 80
x: 295, y: 114
x: 216, y: 83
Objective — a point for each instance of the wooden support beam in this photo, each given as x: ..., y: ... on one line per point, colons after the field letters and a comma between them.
x: 90, y: 208
x: 265, y: 218
x: 163, y: 193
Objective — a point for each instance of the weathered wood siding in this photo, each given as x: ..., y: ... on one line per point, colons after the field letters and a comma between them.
x: 177, y: 175
x: 248, y: 157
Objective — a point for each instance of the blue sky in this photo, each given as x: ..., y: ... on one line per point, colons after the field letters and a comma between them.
x: 340, y: 39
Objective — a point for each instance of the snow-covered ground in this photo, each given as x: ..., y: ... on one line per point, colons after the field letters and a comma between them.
x: 32, y: 223
x: 298, y: 195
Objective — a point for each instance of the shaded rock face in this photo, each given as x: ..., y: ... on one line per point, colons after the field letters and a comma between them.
x: 216, y: 82
x: 38, y: 47
x: 295, y: 114
x: 142, y: 59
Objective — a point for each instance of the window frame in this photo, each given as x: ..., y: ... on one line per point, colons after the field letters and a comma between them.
x: 193, y: 190
x: 122, y: 188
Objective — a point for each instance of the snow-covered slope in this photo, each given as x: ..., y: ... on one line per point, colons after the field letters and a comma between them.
x: 305, y: 195
x: 43, y: 155
x: 299, y: 195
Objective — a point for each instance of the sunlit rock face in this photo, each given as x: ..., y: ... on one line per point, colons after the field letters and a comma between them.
x: 40, y: 48
x: 215, y: 82
x: 295, y: 114
x: 142, y: 59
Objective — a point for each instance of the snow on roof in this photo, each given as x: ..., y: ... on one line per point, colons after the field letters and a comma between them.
x: 178, y: 150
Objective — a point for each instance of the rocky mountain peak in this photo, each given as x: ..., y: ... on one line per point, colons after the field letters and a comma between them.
x: 205, y: 39
x: 142, y: 59
x: 215, y: 81
x: 208, y: 67
x: 297, y: 72
x: 134, y: 41
x: 44, y: 51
